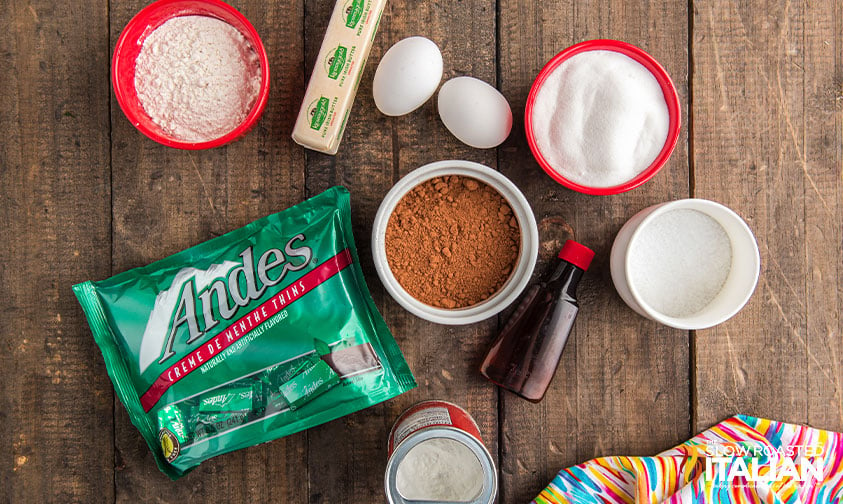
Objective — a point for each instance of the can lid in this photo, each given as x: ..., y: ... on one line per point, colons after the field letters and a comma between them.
x: 577, y: 254
x: 490, y: 475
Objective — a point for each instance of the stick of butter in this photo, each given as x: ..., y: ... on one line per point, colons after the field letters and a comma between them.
x: 336, y: 74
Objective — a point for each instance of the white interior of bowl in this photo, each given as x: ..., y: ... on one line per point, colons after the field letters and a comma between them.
x: 520, y: 274
x: 739, y: 284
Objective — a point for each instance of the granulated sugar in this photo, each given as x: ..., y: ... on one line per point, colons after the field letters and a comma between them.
x: 197, y: 77
x: 440, y: 469
x: 679, y: 262
x: 600, y: 118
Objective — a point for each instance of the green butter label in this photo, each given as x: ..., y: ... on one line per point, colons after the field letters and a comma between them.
x: 335, y: 62
x: 318, y: 113
x: 353, y: 12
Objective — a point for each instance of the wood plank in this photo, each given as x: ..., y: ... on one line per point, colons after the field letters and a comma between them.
x: 622, y: 386
x: 376, y: 152
x: 767, y: 123
x: 166, y: 200
x: 823, y: 167
x: 55, y: 397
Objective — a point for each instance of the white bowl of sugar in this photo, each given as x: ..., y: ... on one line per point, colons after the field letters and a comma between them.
x: 689, y: 264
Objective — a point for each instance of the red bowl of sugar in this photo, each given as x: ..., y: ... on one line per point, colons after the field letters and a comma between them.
x: 602, y: 117
x: 191, y: 74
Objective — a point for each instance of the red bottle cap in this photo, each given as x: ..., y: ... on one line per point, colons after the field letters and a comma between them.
x: 577, y: 254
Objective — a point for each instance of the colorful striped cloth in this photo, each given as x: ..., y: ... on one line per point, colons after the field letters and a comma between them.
x: 740, y: 460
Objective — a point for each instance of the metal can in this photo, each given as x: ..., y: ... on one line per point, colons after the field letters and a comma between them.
x: 430, y: 420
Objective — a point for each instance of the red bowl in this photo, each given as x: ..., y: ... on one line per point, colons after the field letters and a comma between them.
x: 670, y: 97
x: 129, y: 45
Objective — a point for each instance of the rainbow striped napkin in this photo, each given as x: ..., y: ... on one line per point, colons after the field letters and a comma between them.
x: 740, y: 460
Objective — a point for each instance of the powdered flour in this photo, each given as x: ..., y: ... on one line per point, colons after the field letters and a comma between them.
x: 440, y: 469
x: 197, y: 77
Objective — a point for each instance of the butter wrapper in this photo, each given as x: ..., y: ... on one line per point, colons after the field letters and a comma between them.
x: 336, y: 75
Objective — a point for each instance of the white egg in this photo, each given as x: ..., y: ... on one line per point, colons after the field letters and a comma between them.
x: 407, y: 76
x: 475, y: 112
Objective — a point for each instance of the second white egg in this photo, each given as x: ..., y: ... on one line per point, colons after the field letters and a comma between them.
x: 475, y: 112
x: 407, y: 76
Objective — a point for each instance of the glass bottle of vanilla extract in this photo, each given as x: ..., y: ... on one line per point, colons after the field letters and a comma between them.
x: 524, y: 356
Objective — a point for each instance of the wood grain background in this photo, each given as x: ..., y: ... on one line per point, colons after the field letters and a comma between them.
x: 84, y: 196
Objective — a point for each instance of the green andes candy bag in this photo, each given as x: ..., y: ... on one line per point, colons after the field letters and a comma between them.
x: 257, y: 334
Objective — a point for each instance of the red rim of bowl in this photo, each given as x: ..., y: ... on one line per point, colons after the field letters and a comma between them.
x: 670, y: 96
x: 130, y: 42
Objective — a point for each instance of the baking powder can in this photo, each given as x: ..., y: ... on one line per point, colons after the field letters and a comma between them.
x: 430, y: 420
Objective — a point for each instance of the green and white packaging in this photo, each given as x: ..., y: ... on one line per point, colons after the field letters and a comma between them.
x: 257, y: 334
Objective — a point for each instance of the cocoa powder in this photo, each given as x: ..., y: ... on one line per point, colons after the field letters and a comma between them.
x: 452, y: 242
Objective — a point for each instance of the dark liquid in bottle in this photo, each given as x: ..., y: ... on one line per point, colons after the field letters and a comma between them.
x: 525, y: 355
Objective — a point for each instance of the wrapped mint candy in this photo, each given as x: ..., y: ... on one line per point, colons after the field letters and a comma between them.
x: 313, y: 381
x: 214, y: 423
x: 228, y: 399
x: 275, y: 376
x: 172, y: 419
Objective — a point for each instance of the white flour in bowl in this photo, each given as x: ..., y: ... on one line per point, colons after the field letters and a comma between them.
x: 197, y: 77
x: 442, y: 470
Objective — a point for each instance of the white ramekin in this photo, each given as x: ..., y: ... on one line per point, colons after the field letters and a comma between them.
x: 517, y: 279
x: 739, y: 285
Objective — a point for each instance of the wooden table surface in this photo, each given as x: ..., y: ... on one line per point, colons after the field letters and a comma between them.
x: 85, y: 196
